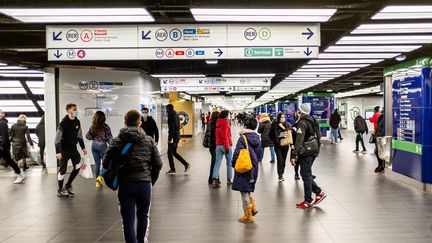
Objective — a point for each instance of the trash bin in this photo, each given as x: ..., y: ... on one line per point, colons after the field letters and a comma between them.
x: 384, y: 148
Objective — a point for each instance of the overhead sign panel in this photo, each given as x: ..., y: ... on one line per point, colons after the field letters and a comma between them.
x: 214, y: 82
x: 181, y: 41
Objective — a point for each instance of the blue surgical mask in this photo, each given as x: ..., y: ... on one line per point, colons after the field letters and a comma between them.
x: 75, y: 114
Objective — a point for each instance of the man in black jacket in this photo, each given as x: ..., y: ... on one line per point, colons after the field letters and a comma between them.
x: 142, y: 164
x: 307, y: 128
x: 148, y: 124
x: 173, y: 140
x: 360, y: 127
x: 5, y: 148
x: 69, y: 133
x: 335, y: 120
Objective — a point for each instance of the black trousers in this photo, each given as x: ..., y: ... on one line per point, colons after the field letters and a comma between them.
x: 359, y: 139
x: 212, y: 164
x: 6, y: 156
x: 381, y: 162
x: 75, y: 157
x: 135, y: 198
x: 172, y: 153
x: 281, y: 156
x: 307, y: 177
x: 41, y: 153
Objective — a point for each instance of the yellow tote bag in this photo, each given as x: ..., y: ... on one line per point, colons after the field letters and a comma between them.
x: 244, y: 160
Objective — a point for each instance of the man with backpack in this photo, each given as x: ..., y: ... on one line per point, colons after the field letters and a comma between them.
x: 306, y: 149
x: 360, y: 127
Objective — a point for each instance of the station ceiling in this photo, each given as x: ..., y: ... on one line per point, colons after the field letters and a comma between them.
x: 23, y: 43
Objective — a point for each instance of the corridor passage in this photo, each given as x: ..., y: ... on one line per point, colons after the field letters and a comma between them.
x: 361, y: 207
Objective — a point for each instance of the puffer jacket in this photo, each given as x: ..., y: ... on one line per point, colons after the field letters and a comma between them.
x: 19, y: 132
x: 245, y: 182
x: 264, y: 129
x: 223, y: 133
x: 142, y: 161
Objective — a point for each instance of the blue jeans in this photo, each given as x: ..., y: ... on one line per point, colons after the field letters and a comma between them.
x: 272, y: 153
x: 308, y: 180
x: 220, y: 153
x: 335, y: 134
x: 98, y: 151
x: 135, y: 198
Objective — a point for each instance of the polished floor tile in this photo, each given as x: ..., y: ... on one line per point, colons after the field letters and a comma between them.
x: 361, y: 206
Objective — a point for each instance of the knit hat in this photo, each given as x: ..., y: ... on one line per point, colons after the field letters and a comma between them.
x: 305, y: 108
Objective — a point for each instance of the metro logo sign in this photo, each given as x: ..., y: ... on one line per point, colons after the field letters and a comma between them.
x: 179, y: 53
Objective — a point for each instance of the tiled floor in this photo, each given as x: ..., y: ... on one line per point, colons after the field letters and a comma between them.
x: 361, y: 207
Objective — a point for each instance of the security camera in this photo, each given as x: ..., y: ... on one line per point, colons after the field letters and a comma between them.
x: 317, y: 75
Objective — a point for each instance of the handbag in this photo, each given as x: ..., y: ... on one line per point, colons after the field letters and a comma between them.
x: 110, y: 176
x: 310, y: 147
x: 287, y: 138
x: 244, y: 160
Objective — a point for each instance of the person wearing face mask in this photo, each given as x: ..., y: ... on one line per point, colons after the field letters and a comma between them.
x: 148, y: 124
x: 5, y: 148
x: 68, y: 135
x: 277, y: 131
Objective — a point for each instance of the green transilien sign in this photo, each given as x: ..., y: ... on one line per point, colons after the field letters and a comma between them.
x: 409, y: 147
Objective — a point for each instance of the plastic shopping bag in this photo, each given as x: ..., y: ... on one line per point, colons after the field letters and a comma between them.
x: 86, y: 171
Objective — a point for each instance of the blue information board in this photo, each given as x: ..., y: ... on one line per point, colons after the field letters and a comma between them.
x: 411, y: 117
x: 322, y: 105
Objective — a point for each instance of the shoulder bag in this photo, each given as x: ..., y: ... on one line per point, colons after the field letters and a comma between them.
x: 111, y: 175
x: 244, y: 160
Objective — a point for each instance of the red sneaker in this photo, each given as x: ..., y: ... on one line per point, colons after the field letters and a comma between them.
x: 319, y: 197
x: 304, y: 205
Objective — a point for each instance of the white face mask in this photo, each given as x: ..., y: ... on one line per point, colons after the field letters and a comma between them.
x: 282, y: 120
x: 144, y: 115
x: 75, y: 114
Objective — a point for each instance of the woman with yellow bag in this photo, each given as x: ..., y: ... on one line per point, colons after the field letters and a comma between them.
x: 281, y: 133
x: 245, y: 162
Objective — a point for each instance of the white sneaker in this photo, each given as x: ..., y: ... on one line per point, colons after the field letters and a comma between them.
x: 20, y: 178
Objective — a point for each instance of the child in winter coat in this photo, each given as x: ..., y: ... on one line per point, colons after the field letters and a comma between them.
x: 245, y: 182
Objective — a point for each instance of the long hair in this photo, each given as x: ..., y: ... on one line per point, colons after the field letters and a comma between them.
x: 98, y: 123
x: 214, y: 116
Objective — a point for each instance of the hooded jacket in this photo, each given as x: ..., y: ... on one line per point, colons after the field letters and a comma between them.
x: 360, y: 125
x: 307, y: 126
x: 223, y: 133
x: 19, y: 132
x: 173, y: 126
x: 335, y: 119
x: 69, y: 133
x: 4, y: 134
x: 142, y: 161
x: 245, y: 182
x: 264, y: 129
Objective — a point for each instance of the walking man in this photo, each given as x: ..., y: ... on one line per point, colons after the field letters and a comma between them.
x: 148, y: 124
x: 68, y: 135
x: 305, y: 152
x: 360, y: 127
x: 173, y: 140
x: 5, y: 148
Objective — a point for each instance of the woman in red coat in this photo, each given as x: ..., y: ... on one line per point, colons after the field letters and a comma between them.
x: 223, y: 148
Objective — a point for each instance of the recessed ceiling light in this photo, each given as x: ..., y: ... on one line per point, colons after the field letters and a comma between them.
x: 375, y: 48
x: 400, y: 58
x: 212, y: 61
x: 399, y: 28
x: 306, y: 70
x: 356, y: 55
x: 357, y: 83
x: 329, y: 90
x: 307, y: 66
x: 79, y: 15
x: 262, y: 15
x: 344, y: 61
x: 405, y: 12
x: 385, y: 39
x: 11, y: 67
x: 18, y: 75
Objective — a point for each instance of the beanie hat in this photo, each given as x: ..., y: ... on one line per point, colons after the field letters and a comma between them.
x: 305, y: 108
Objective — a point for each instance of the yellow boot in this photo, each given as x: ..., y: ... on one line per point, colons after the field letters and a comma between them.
x: 99, y: 182
x: 247, y: 218
x: 254, y: 206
